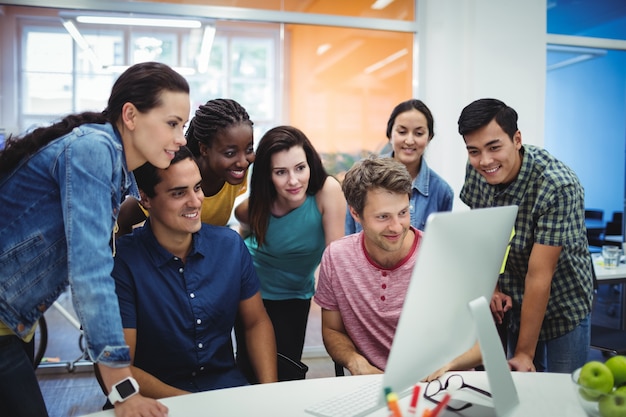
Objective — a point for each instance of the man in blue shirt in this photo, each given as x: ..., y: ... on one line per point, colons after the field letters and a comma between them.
x: 180, y: 284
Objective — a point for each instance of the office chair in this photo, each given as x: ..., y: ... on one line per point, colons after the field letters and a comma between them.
x: 608, y: 340
x: 290, y: 370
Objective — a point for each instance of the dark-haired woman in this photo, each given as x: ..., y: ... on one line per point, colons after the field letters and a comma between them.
x: 221, y: 138
x: 410, y: 129
x: 294, y: 210
x: 60, y: 192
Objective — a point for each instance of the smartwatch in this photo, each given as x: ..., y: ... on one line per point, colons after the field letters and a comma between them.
x: 123, y: 390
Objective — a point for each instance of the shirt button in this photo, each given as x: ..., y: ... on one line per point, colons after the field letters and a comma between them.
x: 181, y: 270
x: 176, y: 258
x: 192, y: 295
x: 193, y: 374
x: 384, y: 286
x: 202, y: 368
x: 200, y: 345
x: 384, y: 273
x: 198, y: 321
x: 382, y: 298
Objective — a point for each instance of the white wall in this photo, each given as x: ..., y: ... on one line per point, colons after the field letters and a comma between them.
x: 471, y: 49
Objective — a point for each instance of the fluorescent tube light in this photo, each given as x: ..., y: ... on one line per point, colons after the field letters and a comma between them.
x: 140, y: 21
x: 378, y: 65
x: 81, y: 42
x: 381, y: 4
x: 321, y: 50
x: 205, y: 48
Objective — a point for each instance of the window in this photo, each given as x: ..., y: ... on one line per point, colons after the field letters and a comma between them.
x: 62, y: 73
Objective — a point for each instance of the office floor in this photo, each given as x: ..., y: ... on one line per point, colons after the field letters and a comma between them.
x: 69, y: 394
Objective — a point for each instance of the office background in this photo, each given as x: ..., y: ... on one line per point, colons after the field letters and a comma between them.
x: 336, y: 68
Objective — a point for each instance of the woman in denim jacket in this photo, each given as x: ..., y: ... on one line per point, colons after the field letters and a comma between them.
x: 60, y: 192
x: 410, y: 130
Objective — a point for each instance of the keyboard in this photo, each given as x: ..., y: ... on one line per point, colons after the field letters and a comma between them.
x: 359, y: 402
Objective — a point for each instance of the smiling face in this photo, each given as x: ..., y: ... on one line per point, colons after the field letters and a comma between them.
x: 409, y: 138
x: 156, y: 135
x: 386, y: 221
x: 230, y: 154
x: 493, y: 154
x: 175, y: 208
x: 290, y: 176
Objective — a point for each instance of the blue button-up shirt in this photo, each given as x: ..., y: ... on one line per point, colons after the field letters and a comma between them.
x: 184, y: 312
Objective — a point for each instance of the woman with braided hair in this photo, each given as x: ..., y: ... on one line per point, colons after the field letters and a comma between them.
x: 221, y: 138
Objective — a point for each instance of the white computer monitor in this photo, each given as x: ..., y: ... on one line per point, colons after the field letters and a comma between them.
x: 447, y: 303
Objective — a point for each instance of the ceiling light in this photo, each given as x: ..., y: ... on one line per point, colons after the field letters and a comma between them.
x: 381, y: 4
x: 140, y: 21
x: 322, y: 49
x: 205, y: 48
x: 81, y: 42
x: 378, y: 65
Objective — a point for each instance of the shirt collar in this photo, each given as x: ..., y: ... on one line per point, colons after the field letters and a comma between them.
x: 161, y: 256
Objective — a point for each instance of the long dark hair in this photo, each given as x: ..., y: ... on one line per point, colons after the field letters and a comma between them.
x: 141, y: 85
x: 262, y: 190
x: 211, y: 118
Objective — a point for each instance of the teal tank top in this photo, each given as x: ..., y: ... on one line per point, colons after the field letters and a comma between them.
x: 293, y: 248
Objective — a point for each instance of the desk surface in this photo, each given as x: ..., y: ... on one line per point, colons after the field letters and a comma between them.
x: 540, y: 394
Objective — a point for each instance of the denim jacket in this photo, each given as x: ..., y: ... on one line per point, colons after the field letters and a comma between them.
x: 430, y: 193
x: 58, y: 211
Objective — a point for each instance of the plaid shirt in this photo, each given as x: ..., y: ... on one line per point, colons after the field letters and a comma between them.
x: 551, y: 212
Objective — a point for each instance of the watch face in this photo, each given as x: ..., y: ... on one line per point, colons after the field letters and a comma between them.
x: 125, y: 389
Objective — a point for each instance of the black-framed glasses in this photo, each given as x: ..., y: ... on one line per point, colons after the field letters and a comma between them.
x: 453, y: 382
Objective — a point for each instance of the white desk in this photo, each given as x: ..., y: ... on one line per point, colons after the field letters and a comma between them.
x: 612, y: 276
x: 540, y: 394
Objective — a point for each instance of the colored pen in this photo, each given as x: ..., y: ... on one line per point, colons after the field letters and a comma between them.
x: 441, y: 405
x: 426, y: 413
x: 392, y: 404
x: 414, y: 398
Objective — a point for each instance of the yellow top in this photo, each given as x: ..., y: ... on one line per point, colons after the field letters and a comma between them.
x: 216, y: 209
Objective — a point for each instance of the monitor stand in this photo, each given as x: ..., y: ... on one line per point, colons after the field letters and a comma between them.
x: 503, y: 391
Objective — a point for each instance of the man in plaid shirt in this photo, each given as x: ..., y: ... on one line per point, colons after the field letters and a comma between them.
x: 547, y: 283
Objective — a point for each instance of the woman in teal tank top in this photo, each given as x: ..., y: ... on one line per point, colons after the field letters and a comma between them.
x: 294, y: 210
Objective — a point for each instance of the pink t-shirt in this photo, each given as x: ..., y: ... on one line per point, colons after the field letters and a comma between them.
x: 368, y: 296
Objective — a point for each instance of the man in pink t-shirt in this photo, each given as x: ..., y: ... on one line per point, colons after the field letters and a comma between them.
x: 364, y: 277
